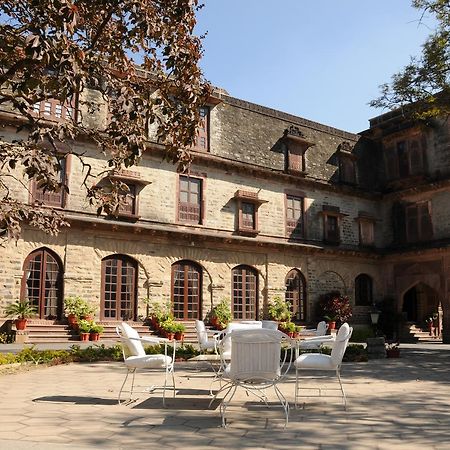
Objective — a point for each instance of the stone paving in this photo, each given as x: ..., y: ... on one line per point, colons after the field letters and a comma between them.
x: 392, y: 404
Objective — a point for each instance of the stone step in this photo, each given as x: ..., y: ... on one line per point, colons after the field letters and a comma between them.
x: 42, y: 331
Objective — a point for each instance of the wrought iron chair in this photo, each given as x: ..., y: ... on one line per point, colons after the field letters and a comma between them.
x: 256, y: 364
x: 135, y: 358
x: 319, y: 361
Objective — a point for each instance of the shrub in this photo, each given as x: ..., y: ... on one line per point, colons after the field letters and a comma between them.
x: 279, y: 310
x: 335, y: 307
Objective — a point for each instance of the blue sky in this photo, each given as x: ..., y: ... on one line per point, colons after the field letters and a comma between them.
x: 318, y: 59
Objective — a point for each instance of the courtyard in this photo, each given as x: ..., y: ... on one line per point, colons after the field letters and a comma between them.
x: 392, y: 403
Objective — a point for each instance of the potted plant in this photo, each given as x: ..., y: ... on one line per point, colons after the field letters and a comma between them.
x: 279, y: 310
x: 21, y: 311
x: 169, y: 327
x: 84, y: 328
x: 179, y: 331
x: 335, y: 307
x: 290, y: 328
x: 73, y: 307
x: 94, y: 332
x: 392, y: 349
x: 221, y: 315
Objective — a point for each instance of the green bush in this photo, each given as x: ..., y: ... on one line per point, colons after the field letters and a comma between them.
x: 361, y: 334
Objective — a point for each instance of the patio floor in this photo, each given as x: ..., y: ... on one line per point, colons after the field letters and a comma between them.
x: 392, y: 404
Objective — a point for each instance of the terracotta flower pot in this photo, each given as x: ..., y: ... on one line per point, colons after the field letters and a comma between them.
x: 84, y: 336
x: 73, y: 321
x: 21, y: 324
x: 179, y: 336
x: 94, y: 336
x: 332, y: 325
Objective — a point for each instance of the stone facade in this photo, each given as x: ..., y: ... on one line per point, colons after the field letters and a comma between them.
x: 249, y: 152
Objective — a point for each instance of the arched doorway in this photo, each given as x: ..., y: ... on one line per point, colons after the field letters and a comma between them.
x: 419, y: 303
x: 119, y: 288
x: 245, y: 293
x: 296, y: 294
x: 186, y: 290
x: 42, y: 283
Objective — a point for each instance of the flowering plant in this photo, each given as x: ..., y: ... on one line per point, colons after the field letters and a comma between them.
x: 335, y: 307
x: 391, y: 345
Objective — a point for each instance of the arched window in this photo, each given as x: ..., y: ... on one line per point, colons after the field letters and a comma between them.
x: 42, y: 283
x: 363, y: 290
x: 186, y: 290
x: 119, y: 283
x: 296, y: 294
x: 245, y: 293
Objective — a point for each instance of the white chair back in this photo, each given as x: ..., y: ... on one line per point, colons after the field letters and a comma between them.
x: 256, y: 355
x: 340, y: 344
x: 130, y: 339
x: 321, y: 329
x: 234, y: 326
x: 202, y: 335
x: 269, y: 324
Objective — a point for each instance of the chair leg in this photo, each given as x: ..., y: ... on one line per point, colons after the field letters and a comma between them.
x: 342, y: 388
x: 133, y: 371
x: 224, y: 403
x: 284, y: 404
x: 296, y: 389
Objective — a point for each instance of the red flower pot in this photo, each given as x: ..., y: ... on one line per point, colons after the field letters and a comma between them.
x: 84, y: 336
x: 21, y: 324
x: 94, y: 336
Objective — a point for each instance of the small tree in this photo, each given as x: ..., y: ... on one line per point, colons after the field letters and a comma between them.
x: 279, y: 310
x: 140, y: 57
x: 335, y: 307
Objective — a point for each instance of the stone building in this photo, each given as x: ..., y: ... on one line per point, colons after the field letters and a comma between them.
x: 274, y: 205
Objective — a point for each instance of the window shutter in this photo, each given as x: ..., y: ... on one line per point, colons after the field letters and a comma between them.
x: 391, y: 159
x: 399, y: 223
x: 416, y: 157
x: 426, y: 225
x: 412, y: 223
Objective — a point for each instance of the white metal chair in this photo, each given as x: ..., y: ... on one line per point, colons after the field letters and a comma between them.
x: 135, y: 358
x: 319, y: 361
x: 256, y: 364
x: 320, y: 337
x: 204, y: 342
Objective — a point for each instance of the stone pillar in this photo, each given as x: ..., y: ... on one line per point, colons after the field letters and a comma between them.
x: 376, y: 348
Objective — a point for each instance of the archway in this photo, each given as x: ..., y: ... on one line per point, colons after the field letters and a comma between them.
x: 419, y: 303
x: 42, y: 283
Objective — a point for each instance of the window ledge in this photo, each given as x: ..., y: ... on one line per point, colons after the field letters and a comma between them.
x: 247, y: 232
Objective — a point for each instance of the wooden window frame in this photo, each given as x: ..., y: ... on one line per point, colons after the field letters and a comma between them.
x: 56, y: 200
x: 51, y: 105
x: 250, y: 198
x: 405, y: 156
x: 187, y: 265
x: 416, y: 209
x: 120, y: 258
x: 201, y: 204
x: 289, y: 228
x: 347, y: 161
x: 244, y: 314
x: 43, y: 280
x: 362, y: 220
x: 296, y: 146
x: 367, y: 287
x: 327, y: 212
x: 203, y: 132
x: 300, y: 313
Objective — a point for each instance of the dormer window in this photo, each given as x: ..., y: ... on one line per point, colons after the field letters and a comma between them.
x: 347, y: 164
x: 405, y: 155
x: 247, y: 204
x: 296, y: 145
x: 201, y: 143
